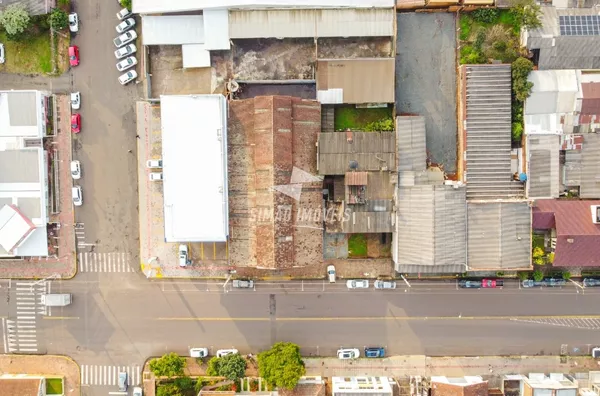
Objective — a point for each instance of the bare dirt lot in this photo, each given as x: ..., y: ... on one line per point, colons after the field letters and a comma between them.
x: 169, y: 77
x: 355, y: 47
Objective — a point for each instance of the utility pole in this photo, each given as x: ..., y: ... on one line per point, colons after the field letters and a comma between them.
x: 231, y: 273
x: 405, y: 281
x: 578, y: 285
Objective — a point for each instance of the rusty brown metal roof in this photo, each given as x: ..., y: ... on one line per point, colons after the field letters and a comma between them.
x: 356, y: 178
x: 372, y: 151
x: 20, y: 386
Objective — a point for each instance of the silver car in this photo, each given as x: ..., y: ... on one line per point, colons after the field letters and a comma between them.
x: 125, y: 38
x: 122, y: 381
x: 379, y: 284
x: 125, y: 25
x: 127, y: 77
x: 357, y: 284
x: 2, y: 53
x: 125, y: 51
x: 126, y: 63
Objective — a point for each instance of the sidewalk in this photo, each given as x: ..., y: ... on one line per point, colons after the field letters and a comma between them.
x: 46, y: 365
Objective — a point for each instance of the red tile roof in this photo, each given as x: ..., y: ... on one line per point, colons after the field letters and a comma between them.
x: 578, y: 238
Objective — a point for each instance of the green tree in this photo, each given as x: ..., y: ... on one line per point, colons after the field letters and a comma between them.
x: 486, y: 15
x: 168, y: 390
x: 538, y: 275
x: 526, y: 13
x: 184, y: 383
x: 517, y: 131
x: 551, y: 258
x: 282, y: 365
x: 521, y: 68
x: 169, y: 365
x: 232, y: 366
x: 58, y: 19
x: 15, y: 19
x: 213, y: 367
x: 523, y: 275
x: 126, y: 4
x: 566, y: 275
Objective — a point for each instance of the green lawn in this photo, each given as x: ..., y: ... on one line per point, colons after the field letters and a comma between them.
x: 349, y: 117
x: 357, y: 245
x: 30, y: 56
x: 54, y: 386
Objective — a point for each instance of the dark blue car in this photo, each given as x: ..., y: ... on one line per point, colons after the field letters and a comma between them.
x: 374, y: 352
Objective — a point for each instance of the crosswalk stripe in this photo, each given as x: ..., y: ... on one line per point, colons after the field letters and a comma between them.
x: 104, y: 262
x: 109, y: 375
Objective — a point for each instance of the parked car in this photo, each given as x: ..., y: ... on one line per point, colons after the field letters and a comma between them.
x: 374, y: 352
x: 73, y: 55
x: 75, y: 100
x: 596, y: 352
x: 357, y: 284
x: 243, y: 284
x: 183, y: 255
x: 75, y: 170
x: 73, y: 22
x: 128, y: 77
x: 350, y: 353
x: 127, y: 63
x: 77, y: 196
x: 380, y: 284
x: 331, y: 273
x: 2, y: 60
x: 591, y: 282
x: 199, y: 352
x: 125, y: 38
x: 484, y: 283
x: 125, y: 51
x: 155, y: 176
x: 549, y: 282
x: 124, y: 13
x: 154, y: 163
x: 225, y: 352
x: 125, y: 25
x: 76, y: 123
x: 122, y: 381
x: 137, y: 391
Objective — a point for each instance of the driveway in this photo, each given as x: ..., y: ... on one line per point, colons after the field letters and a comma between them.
x: 108, y: 219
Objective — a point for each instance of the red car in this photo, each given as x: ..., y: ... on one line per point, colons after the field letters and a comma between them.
x: 76, y: 123
x: 73, y: 55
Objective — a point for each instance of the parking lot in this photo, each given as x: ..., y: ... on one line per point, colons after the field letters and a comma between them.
x: 426, y: 79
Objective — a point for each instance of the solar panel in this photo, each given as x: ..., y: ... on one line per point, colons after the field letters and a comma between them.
x: 579, y: 25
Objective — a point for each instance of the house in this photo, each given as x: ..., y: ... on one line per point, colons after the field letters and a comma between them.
x: 555, y: 384
x: 459, y: 386
x: 350, y: 386
x: 307, y: 386
x: 24, y: 188
x: 34, y: 7
x: 275, y: 199
x: 574, y: 228
x: 22, y: 385
x: 568, y: 39
x: 194, y: 154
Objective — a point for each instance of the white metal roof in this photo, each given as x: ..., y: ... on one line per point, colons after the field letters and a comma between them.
x: 158, y: 6
x: 172, y: 30
x: 14, y: 227
x: 194, y: 153
x: 194, y: 55
x: 216, y: 30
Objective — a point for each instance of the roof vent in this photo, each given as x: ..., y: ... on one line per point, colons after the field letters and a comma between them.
x: 595, y: 214
x: 570, y: 240
x: 353, y: 165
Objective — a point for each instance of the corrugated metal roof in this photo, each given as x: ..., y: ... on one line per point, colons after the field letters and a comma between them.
x: 499, y: 235
x: 554, y: 91
x: 362, y: 80
x: 216, y: 28
x: 410, y: 4
x: 372, y: 151
x: 34, y: 7
x: 173, y: 30
x: 543, y: 166
x: 488, y: 129
x: 410, y: 141
x: 308, y: 23
x: 356, y: 178
x: 590, y: 166
x: 194, y: 55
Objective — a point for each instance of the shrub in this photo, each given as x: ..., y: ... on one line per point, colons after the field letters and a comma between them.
x: 64, y: 3
x: 184, y: 383
x: 168, y: 390
x: 465, y: 27
x: 520, y: 71
x: 517, y: 131
x: 213, y: 367
x: 58, y: 19
x: 169, y: 365
x: 386, y: 124
x: 470, y: 56
x: 538, y: 275
x: 500, y: 274
x: 566, y: 275
x: 479, y: 40
x: 126, y: 4
x: 551, y: 258
x: 14, y: 19
x: 538, y: 252
x: 526, y: 13
x: 486, y: 15
x: 523, y: 275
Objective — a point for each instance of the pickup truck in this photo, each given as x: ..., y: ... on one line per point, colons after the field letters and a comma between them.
x: 243, y: 284
x: 484, y: 283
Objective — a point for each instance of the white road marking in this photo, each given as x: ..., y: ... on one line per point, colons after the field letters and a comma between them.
x: 104, y: 262
x: 108, y: 375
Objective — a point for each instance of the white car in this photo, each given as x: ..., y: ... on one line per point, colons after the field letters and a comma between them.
x: 75, y: 100
x: 137, y: 391
x: 154, y: 163
x: 73, y: 22
x: 125, y: 51
x: 357, y: 284
x: 125, y: 25
x: 126, y: 63
x: 596, y: 352
x: 2, y: 53
x: 127, y: 77
x: 155, y: 176
x: 75, y: 170
x: 125, y: 38
x: 225, y: 352
x: 77, y: 196
x: 350, y: 353
x: 124, y: 13
x: 199, y: 352
x: 331, y: 273
x: 183, y: 255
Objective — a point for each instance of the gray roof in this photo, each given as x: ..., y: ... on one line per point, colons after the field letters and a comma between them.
x: 543, y: 168
x: 34, y: 7
x: 488, y: 130
x: 22, y: 108
x: 431, y: 229
x: 582, y: 167
x: 410, y: 141
x: 499, y: 235
x: 372, y: 151
x: 19, y: 166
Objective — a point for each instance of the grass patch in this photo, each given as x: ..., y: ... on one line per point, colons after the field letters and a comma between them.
x: 30, y: 56
x: 465, y: 27
x: 357, y: 245
x: 349, y: 117
x: 54, y: 386
x: 537, y: 241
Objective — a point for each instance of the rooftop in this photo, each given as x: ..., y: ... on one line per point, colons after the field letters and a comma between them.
x: 582, y: 166
x: 543, y: 166
x: 21, y: 386
x: 362, y: 385
x: 34, y: 7
x: 355, y: 81
x: 21, y: 114
x: 578, y: 238
x: 194, y: 154
x: 459, y: 386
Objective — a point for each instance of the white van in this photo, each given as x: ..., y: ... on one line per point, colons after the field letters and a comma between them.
x: 56, y: 300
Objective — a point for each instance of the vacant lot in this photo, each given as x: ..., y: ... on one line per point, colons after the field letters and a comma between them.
x: 350, y: 117
x: 426, y: 79
x: 29, y: 56
x: 170, y: 78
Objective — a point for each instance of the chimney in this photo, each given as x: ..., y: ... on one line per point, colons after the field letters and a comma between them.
x: 349, y: 135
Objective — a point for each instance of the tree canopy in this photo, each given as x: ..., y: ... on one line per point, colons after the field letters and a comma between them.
x: 282, y: 365
x: 14, y: 19
x: 58, y: 19
x: 169, y: 365
x: 231, y: 366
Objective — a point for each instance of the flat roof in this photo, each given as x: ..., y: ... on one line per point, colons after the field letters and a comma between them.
x: 194, y: 153
x: 173, y: 29
x: 21, y: 113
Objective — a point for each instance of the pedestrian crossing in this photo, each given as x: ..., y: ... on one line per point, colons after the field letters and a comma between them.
x: 578, y: 323
x: 108, y: 375
x: 21, y: 334
x: 104, y: 262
